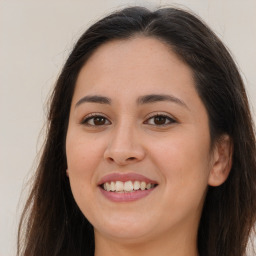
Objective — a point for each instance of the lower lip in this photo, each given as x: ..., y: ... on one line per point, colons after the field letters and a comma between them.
x: 126, y: 196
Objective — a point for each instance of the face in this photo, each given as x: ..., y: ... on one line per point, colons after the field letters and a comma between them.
x: 138, y: 143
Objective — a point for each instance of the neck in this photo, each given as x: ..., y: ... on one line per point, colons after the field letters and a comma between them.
x: 165, y: 245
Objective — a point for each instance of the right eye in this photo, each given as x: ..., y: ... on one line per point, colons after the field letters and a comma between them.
x: 95, y: 120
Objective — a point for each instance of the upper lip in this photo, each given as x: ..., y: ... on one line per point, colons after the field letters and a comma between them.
x: 125, y: 177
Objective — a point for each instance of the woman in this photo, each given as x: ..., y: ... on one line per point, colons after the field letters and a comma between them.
x: 150, y: 148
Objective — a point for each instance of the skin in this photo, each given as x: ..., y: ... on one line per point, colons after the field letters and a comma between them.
x: 177, y: 155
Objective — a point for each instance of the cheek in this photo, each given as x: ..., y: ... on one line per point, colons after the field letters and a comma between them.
x: 183, y: 161
x: 185, y: 174
x: 83, y: 158
x: 83, y: 153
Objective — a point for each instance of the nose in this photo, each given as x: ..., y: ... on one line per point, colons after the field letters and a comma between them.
x: 124, y: 147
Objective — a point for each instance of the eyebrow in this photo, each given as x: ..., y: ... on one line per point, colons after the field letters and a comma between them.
x: 146, y: 99
x: 151, y: 98
x: 94, y: 99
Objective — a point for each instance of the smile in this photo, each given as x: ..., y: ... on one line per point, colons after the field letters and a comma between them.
x: 128, y: 186
x: 120, y: 187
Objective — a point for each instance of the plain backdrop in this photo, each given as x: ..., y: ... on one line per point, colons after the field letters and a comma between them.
x: 36, y: 38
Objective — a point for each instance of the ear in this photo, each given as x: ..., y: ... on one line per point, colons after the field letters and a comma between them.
x: 67, y: 173
x: 222, y: 161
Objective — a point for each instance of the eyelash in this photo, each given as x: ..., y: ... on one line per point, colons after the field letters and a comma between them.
x: 167, y: 118
x: 86, y: 120
x: 91, y: 117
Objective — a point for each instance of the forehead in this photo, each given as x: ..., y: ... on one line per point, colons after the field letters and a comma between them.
x: 139, y: 63
x: 145, y: 49
x: 138, y: 52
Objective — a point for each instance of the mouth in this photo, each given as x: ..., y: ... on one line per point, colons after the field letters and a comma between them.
x: 126, y: 187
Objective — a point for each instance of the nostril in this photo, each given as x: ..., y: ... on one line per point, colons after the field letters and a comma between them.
x: 111, y: 159
x: 122, y: 161
x: 131, y: 158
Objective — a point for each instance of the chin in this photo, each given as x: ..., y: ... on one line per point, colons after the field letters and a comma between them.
x: 129, y: 230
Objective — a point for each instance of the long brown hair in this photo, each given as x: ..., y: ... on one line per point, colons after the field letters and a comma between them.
x: 52, y: 223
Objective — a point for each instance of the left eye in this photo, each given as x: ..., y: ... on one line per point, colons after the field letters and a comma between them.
x: 160, y: 120
x: 96, y: 121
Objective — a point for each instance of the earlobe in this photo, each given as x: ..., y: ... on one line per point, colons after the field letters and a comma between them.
x: 222, y: 161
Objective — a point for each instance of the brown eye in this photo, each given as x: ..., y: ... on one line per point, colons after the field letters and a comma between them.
x: 96, y: 121
x: 160, y: 120
x: 99, y: 120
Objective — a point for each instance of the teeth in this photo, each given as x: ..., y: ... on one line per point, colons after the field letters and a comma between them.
x: 136, y: 185
x: 108, y: 186
x: 127, y: 186
x: 112, y: 186
x: 143, y: 185
x: 119, y: 186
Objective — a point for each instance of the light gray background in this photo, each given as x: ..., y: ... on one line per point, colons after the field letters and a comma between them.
x: 36, y: 37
